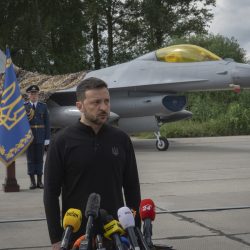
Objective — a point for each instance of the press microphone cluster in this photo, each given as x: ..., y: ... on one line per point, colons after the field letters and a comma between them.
x: 122, y: 233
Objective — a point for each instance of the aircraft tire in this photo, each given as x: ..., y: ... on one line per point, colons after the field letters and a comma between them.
x: 162, y: 144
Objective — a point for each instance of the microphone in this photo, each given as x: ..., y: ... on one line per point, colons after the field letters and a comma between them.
x: 78, y: 242
x: 127, y: 221
x: 143, y: 243
x: 71, y: 223
x: 91, y: 213
x: 99, y: 242
x: 112, y: 229
x: 125, y: 242
x: 147, y: 214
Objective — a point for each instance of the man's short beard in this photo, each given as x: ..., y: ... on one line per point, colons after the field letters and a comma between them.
x: 94, y: 120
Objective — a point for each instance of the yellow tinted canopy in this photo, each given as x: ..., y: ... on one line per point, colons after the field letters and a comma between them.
x: 185, y: 53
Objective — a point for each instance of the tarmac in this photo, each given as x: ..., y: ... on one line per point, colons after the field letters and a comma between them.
x: 201, y: 187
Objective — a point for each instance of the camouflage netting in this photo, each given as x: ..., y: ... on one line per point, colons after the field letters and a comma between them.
x: 48, y: 84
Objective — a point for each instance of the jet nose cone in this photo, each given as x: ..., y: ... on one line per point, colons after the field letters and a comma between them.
x: 241, y: 75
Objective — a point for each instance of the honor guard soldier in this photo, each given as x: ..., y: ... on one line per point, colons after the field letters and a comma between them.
x: 38, y: 116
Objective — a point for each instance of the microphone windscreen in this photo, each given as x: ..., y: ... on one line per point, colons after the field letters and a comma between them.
x: 93, y: 205
x: 126, y: 217
x: 147, y: 209
x: 105, y: 217
x: 78, y: 242
x: 73, y: 218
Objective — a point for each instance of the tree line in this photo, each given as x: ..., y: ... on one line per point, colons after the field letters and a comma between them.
x: 63, y: 36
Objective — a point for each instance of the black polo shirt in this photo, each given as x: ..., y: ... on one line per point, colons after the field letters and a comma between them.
x: 80, y: 162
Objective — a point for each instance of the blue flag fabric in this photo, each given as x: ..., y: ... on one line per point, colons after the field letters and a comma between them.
x: 15, y: 132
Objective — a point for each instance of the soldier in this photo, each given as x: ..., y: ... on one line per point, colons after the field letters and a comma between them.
x: 39, y: 123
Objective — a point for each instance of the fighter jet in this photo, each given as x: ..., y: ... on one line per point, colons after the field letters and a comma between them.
x: 144, y: 91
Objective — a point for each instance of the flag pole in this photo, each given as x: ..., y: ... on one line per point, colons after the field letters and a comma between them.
x: 10, y: 184
x: 10, y: 181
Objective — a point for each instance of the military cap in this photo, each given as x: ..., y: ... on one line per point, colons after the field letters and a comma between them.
x: 32, y: 88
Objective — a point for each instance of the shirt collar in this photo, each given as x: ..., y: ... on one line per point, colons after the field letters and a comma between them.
x: 88, y: 129
x: 33, y: 103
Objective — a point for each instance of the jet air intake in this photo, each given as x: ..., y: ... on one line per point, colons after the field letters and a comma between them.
x: 145, y: 106
x: 174, y: 103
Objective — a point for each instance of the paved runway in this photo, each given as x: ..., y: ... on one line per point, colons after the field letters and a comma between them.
x: 201, y: 187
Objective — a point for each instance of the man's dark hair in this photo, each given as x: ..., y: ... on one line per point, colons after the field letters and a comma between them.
x: 87, y: 84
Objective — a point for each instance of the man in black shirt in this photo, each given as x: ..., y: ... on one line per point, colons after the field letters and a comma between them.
x: 89, y: 157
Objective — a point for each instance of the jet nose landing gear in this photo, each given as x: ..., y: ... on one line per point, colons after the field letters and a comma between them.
x: 162, y: 143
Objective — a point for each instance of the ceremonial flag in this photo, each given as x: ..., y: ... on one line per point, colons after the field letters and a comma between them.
x: 15, y: 132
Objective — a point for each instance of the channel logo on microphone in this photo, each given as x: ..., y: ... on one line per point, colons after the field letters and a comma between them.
x: 147, y: 207
x: 71, y: 212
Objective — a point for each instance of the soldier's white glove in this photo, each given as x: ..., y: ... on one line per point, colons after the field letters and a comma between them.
x: 46, y: 142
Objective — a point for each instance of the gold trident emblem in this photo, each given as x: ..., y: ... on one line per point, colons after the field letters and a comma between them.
x: 8, y: 117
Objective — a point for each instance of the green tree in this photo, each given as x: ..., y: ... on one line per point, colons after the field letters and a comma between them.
x: 111, y: 22
x: 20, y: 29
x: 126, y: 29
x: 44, y: 36
x: 165, y: 19
x: 93, y: 12
x: 126, y: 32
x: 63, y: 25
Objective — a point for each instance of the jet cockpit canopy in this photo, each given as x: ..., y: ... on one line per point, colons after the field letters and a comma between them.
x: 185, y: 53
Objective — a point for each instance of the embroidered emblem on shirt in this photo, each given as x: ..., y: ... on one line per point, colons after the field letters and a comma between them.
x: 115, y: 151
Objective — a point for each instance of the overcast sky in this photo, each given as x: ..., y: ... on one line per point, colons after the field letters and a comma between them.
x: 232, y: 19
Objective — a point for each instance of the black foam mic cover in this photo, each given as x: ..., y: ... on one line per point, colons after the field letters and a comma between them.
x: 105, y: 217
x: 93, y: 205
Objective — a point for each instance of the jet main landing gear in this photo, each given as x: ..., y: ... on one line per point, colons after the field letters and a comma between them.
x: 162, y: 143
